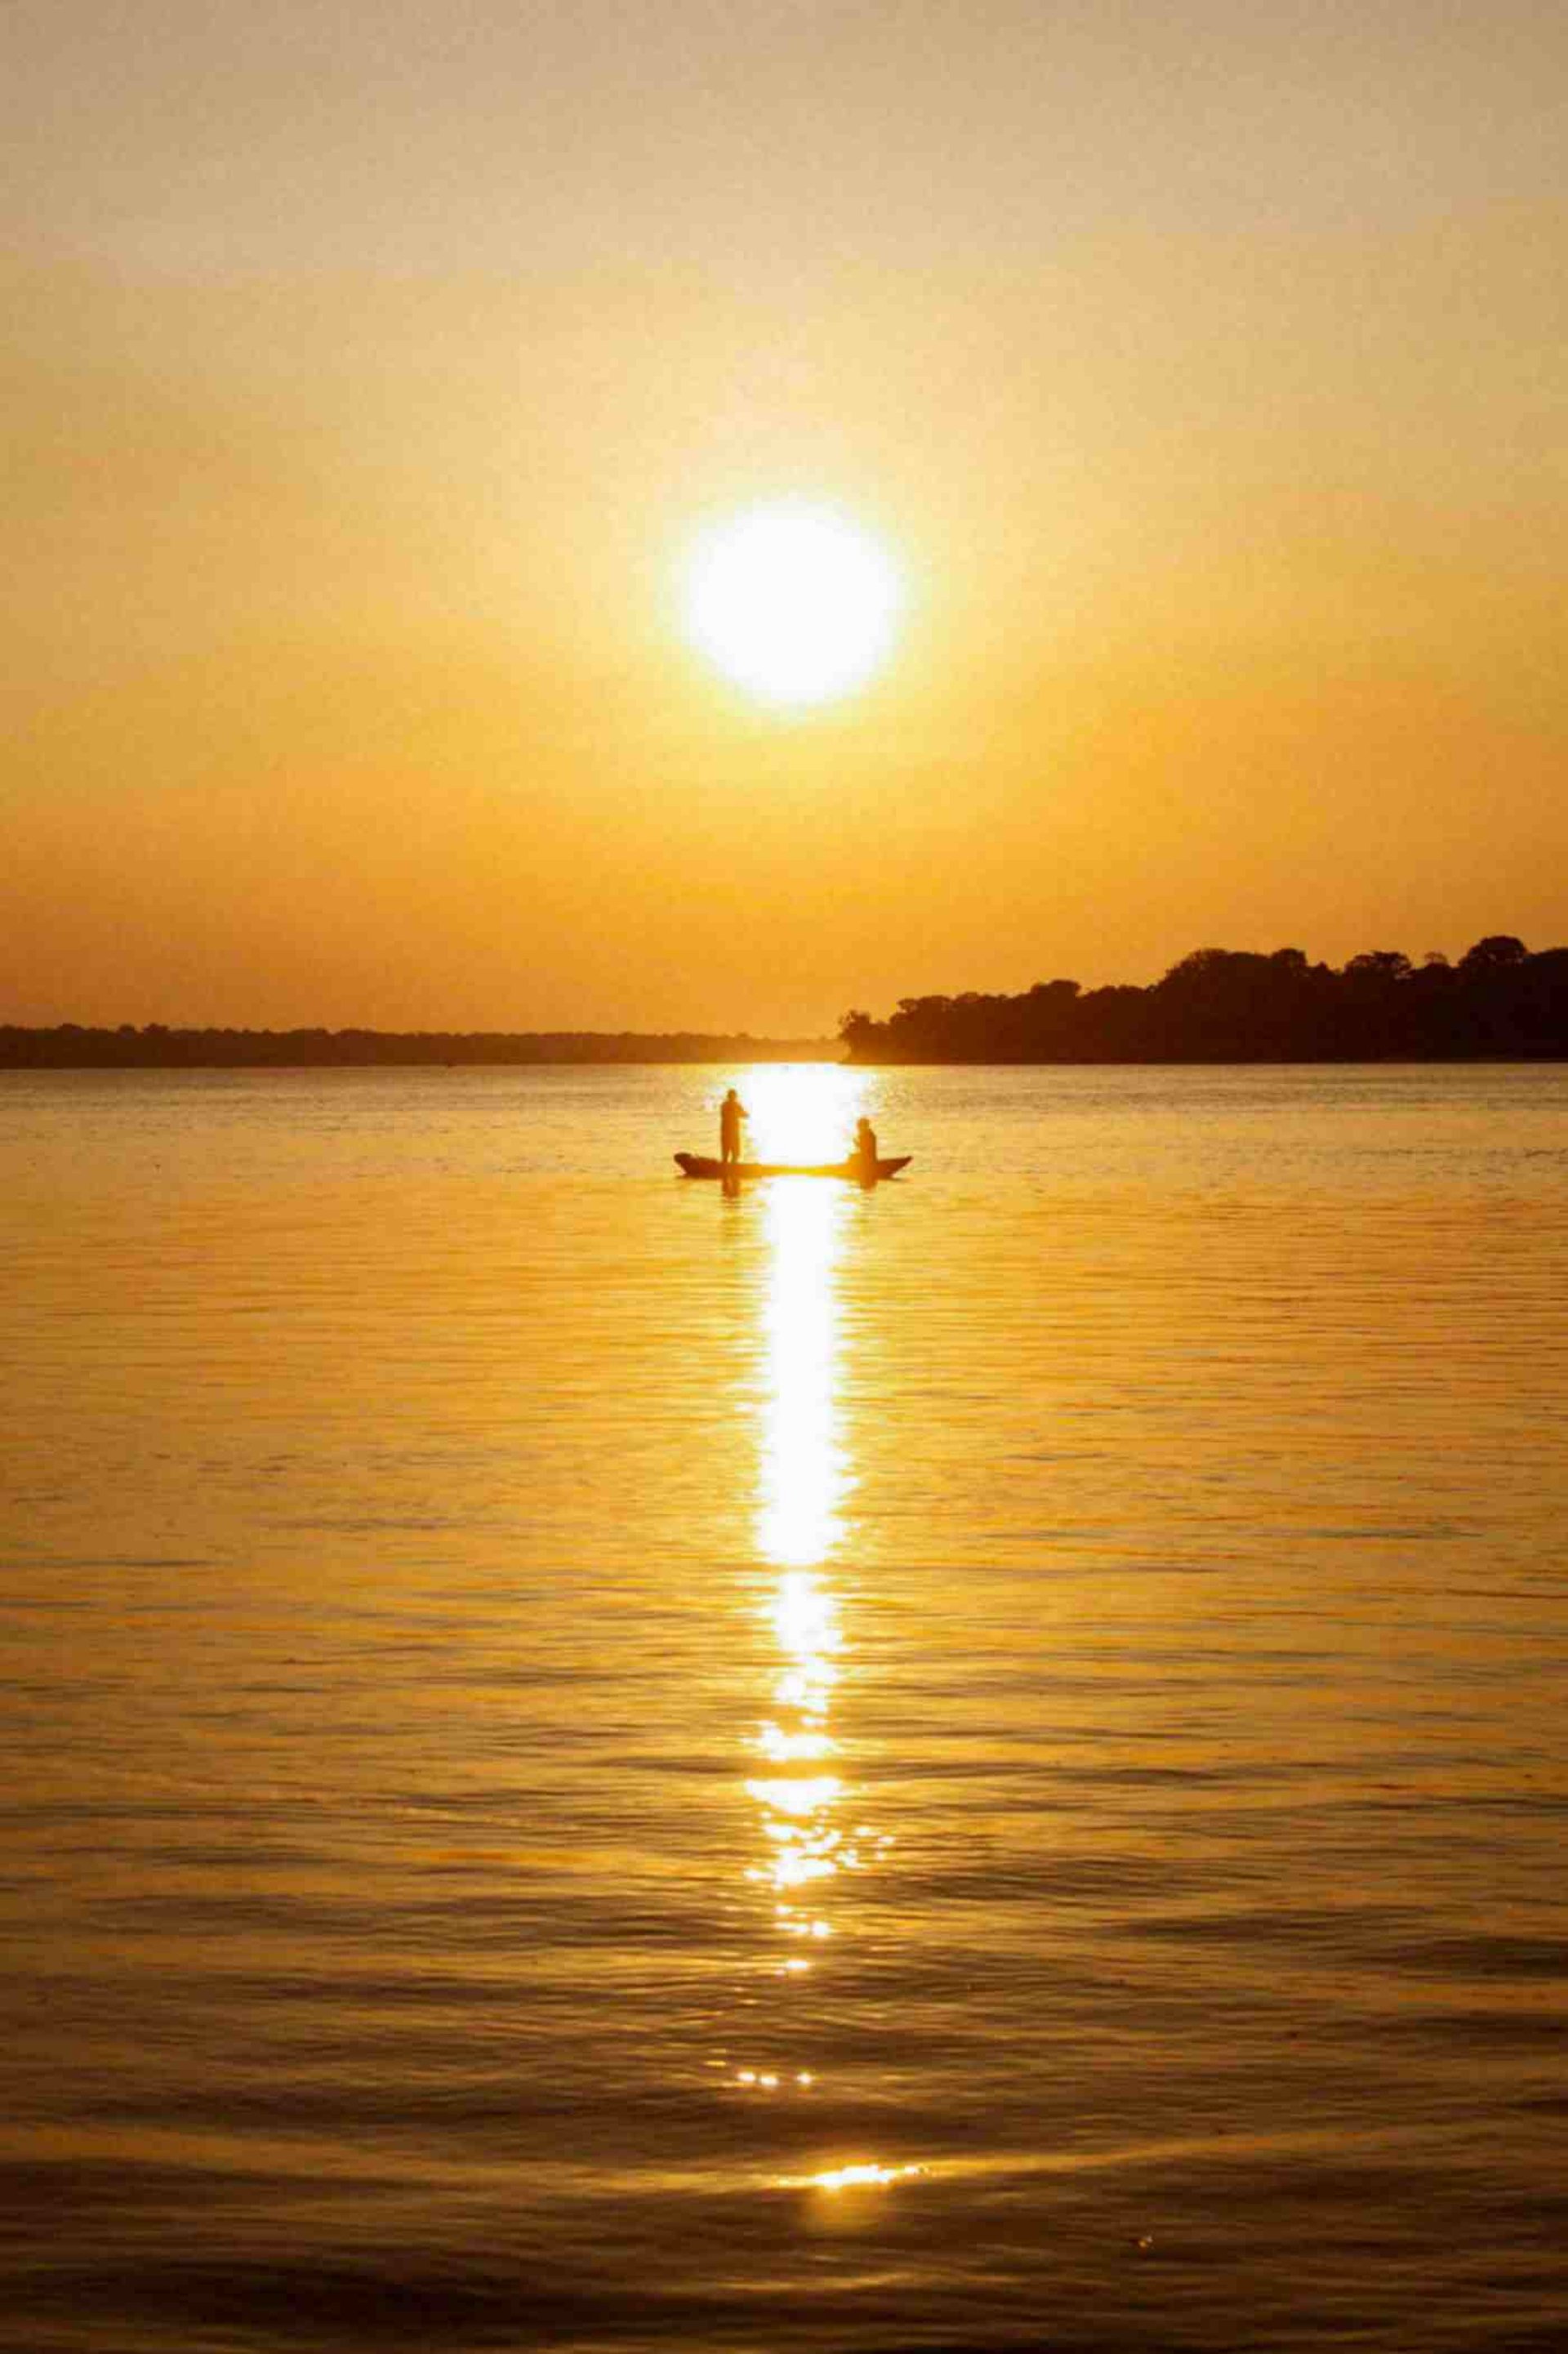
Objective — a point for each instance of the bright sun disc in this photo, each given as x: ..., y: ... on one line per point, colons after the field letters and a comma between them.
x: 792, y: 602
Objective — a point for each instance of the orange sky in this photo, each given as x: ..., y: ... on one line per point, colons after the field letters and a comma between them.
x: 368, y: 372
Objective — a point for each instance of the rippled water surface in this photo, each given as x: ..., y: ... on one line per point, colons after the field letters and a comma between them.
x: 974, y: 1765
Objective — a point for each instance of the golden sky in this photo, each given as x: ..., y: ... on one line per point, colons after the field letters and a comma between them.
x: 368, y: 372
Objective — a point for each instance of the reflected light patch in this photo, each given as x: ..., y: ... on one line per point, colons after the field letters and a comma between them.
x: 805, y: 1619
x: 802, y: 1111
x: 792, y: 1747
x: 796, y: 1871
x: 767, y: 2080
x: 868, y: 2176
x: 804, y: 1477
x: 802, y: 1798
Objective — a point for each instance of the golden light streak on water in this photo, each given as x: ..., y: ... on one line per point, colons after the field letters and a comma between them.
x: 804, y: 1479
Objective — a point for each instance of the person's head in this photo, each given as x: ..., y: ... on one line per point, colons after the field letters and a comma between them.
x: 730, y: 1097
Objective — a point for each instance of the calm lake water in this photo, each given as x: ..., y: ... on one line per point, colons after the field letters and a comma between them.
x: 978, y: 1765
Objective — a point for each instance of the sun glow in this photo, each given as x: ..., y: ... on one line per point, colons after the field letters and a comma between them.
x: 794, y: 602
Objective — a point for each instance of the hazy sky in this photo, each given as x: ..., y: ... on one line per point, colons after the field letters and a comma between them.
x: 368, y: 371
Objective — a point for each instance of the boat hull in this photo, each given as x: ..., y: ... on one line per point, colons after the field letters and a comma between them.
x: 696, y: 1164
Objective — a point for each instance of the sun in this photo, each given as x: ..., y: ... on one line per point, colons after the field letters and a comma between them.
x: 792, y: 601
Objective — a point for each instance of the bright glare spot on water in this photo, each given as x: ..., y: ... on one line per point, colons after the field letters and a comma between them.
x: 806, y: 1621
x: 794, y: 1869
x: 802, y: 1111
x: 796, y: 1798
x: 868, y: 2176
x: 788, y: 1747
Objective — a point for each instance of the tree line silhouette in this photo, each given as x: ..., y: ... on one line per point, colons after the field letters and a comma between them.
x: 1225, y: 1005
x: 70, y: 1046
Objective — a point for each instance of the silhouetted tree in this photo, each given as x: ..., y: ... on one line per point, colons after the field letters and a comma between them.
x: 1235, y: 1005
x: 1499, y: 953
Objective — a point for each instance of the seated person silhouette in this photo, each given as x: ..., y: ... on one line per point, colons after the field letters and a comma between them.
x: 865, y: 1148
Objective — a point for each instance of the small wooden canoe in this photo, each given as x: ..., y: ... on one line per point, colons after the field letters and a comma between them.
x: 696, y: 1164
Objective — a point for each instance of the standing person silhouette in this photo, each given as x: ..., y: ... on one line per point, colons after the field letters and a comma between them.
x: 732, y: 1112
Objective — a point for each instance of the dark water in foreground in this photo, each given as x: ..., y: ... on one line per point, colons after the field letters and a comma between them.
x: 976, y: 1766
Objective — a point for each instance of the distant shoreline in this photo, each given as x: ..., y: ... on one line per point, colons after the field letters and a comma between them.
x: 1499, y: 1003
x: 653, y: 1053
x: 74, y: 1047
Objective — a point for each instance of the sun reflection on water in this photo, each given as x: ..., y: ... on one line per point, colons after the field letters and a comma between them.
x: 802, y: 1111
x: 803, y: 1482
x: 804, y: 1475
x: 794, y: 1777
